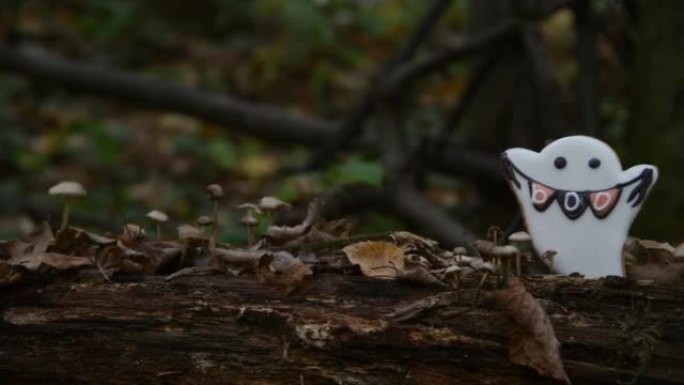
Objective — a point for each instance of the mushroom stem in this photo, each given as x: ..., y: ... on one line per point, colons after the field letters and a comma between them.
x: 183, y: 253
x: 158, y: 231
x: 214, y: 228
x: 65, y: 214
x: 212, y: 239
x: 250, y: 235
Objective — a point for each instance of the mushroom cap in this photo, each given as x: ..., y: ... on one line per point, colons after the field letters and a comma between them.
x: 204, y: 221
x: 187, y: 231
x: 505, y: 251
x: 272, y: 204
x: 460, y: 250
x: 250, y: 207
x: 520, y: 236
x: 249, y: 219
x: 67, y: 188
x: 679, y: 251
x: 215, y: 192
x: 157, y: 216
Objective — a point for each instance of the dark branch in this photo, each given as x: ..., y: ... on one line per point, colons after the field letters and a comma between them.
x: 412, y: 205
x: 253, y: 119
x: 455, y: 116
x: 459, y: 49
x: 353, y: 124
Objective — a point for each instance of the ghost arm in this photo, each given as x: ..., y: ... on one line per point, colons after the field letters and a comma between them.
x: 638, y: 181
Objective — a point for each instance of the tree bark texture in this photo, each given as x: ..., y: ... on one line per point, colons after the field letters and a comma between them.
x: 335, y: 329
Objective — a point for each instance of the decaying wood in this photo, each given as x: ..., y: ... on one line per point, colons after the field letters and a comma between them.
x: 334, y: 329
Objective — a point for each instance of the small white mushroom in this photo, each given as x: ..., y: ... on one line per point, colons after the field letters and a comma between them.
x: 185, y: 233
x: 521, y: 240
x: 270, y: 205
x: 215, y: 194
x: 158, y: 217
x: 506, y: 253
x: 71, y: 191
x: 203, y: 222
x: 249, y: 221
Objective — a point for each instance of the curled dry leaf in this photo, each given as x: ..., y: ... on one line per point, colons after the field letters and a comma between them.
x: 289, y: 280
x: 376, y: 259
x: 285, y: 233
x: 420, y: 275
x: 532, y: 341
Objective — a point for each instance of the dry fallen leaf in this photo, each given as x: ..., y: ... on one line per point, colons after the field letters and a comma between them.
x: 532, y: 341
x: 289, y: 280
x: 376, y: 259
x: 35, y: 262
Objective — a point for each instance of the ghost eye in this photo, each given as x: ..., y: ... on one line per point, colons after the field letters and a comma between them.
x: 594, y: 163
x: 560, y: 162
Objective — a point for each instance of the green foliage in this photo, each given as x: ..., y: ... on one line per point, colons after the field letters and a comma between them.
x: 223, y: 153
x: 354, y: 170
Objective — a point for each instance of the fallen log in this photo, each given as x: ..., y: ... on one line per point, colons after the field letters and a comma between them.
x: 334, y: 329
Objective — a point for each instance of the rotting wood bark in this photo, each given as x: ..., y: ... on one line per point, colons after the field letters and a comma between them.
x: 336, y: 329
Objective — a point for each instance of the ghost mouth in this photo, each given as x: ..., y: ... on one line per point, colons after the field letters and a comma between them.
x: 573, y: 203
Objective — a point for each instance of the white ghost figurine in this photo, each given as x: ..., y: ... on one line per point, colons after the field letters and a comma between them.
x: 577, y: 201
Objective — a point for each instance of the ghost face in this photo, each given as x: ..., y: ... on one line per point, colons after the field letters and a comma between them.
x: 578, y: 201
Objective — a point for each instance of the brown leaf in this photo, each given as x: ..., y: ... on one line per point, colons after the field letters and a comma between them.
x: 420, y: 275
x: 376, y: 259
x: 289, y: 280
x: 35, y: 262
x: 533, y: 341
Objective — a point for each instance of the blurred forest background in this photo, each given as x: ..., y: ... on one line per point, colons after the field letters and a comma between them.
x: 393, y: 110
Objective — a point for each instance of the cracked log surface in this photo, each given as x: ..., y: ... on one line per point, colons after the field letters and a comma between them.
x: 332, y: 330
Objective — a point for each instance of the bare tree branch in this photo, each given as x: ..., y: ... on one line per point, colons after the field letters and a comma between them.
x: 353, y: 124
x: 412, y: 205
x: 460, y: 48
x: 253, y: 119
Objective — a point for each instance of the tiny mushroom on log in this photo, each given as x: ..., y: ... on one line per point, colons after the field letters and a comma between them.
x: 521, y: 240
x: 270, y: 205
x: 505, y: 254
x: 249, y: 220
x: 204, y: 222
x: 185, y: 233
x: 215, y: 194
x: 71, y: 191
x: 158, y: 217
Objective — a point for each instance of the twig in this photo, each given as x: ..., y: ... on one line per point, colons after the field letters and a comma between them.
x: 101, y: 270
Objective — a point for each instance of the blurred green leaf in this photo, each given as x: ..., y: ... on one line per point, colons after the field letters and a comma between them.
x: 355, y: 170
x: 223, y: 153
